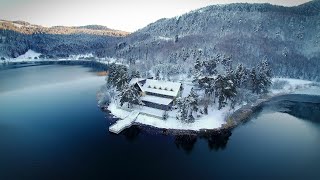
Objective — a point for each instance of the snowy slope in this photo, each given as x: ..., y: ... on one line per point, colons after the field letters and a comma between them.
x: 30, y: 54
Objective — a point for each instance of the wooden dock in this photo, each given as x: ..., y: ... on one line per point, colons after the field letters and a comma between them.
x: 120, y: 125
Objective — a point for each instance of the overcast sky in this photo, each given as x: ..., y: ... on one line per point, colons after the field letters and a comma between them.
x: 128, y: 15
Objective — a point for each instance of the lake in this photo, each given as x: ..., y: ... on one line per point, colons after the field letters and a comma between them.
x: 51, y: 128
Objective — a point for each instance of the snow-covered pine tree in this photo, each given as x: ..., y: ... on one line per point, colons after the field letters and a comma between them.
x: 121, y: 78
x: 190, y: 117
x: 193, y: 99
x: 135, y: 74
x: 210, y: 67
x: 227, y: 63
x: 130, y: 95
x: 118, y: 76
x: 182, y: 106
x: 254, y: 83
x: 219, y: 86
x: 240, y: 76
x: 230, y: 91
x: 157, y: 77
x: 225, y: 90
x: 264, y: 76
x: 205, y: 109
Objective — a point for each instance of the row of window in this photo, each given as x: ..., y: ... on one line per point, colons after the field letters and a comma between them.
x: 159, y: 95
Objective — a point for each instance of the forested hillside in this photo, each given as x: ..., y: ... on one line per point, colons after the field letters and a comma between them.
x: 17, y: 37
x: 288, y: 37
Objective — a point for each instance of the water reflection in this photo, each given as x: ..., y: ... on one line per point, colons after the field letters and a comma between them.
x: 305, y: 107
x: 185, y: 142
x: 215, y: 140
x: 131, y: 133
x: 218, y: 141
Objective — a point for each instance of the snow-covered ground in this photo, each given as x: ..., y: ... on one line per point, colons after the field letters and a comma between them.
x: 313, y: 90
x: 81, y: 56
x: 29, y: 55
x: 213, y: 120
x: 294, y: 86
x: 33, y: 56
x: 165, y: 38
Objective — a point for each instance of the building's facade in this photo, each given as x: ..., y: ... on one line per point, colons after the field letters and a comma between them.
x: 156, y: 93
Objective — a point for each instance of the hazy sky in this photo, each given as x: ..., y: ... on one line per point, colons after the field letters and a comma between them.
x: 128, y: 15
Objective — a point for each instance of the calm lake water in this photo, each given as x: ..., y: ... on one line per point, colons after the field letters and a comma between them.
x: 51, y: 128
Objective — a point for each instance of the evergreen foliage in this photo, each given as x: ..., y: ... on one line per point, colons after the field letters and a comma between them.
x: 129, y: 95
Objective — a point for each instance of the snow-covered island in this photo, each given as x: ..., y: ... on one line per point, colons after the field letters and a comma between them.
x: 216, y: 96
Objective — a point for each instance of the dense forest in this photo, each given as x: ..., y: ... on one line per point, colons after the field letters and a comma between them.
x: 17, y: 37
x: 287, y: 37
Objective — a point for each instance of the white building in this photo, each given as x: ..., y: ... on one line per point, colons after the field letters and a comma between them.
x: 156, y: 93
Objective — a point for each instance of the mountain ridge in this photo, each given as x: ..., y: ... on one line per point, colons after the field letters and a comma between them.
x: 287, y: 37
x: 28, y: 28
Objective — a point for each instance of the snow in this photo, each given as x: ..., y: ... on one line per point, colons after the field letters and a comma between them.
x: 215, y: 118
x: 165, y: 38
x: 314, y: 90
x: 125, y: 123
x: 187, y: 86
x: 157, y: 100
x: 81, y: 56
x: 135, y: 80
x: 30, y: 54
x: 154, y: 86
x: 17, y: 25
x: 294, y: 86
x: 147, y: 116
x: 150, y: 111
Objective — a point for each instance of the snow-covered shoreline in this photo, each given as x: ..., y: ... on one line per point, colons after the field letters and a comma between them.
x: 217, y: 120
x: 34, y: 57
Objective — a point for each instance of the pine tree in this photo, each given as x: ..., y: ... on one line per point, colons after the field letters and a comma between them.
x: 264, y: 76
x: 219, y: 85
x: 190, y: 117
x: 135, y: 74
x: 121, y: 79
x: 157, y: 77
x: 211, y: 66
x: 227, y: 63
x: 254, y: 83
x: 118, y: 76
x: 205, y: 109
x: 193, y: 99
x: 130, y: 95
x: 225, y: 89
x: 182, y: 105
x: 240, y: 76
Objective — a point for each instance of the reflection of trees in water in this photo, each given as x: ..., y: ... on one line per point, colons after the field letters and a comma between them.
x: 219, y: 140
x: 216, y: 140
x: 185, y: 142
x: 305, y: 107
x: 131, y: 133
x: 307, y: 111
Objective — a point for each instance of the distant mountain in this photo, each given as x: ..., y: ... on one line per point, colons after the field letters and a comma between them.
x: 17, y: 37
x: 289, y: 37
x: 27, y: 28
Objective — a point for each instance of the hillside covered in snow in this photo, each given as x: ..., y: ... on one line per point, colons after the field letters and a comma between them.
x: 17, y: 37
x: 288, y: 37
